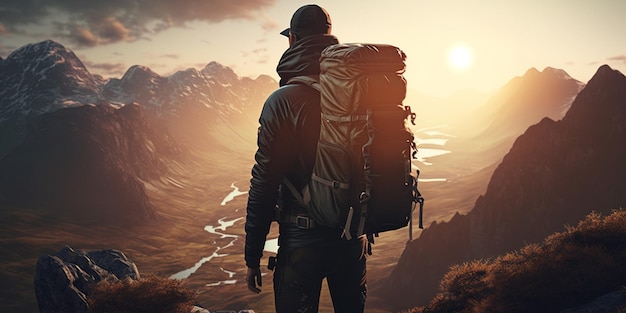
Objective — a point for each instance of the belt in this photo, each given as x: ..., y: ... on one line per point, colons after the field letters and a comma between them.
x: 301, y: 221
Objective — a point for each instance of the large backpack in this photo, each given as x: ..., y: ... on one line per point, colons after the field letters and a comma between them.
x: 363, y: 180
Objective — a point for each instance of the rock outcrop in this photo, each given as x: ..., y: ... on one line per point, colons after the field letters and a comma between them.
x: 64, y: 280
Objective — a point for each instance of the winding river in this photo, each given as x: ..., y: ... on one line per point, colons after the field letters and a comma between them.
x: 432, y: 137
x: 216, y: 230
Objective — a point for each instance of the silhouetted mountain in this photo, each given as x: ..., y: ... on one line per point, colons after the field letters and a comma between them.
x: 526, y: 100
x: 488, y: 132
x: 88, y: 161
x: 476, y: 152
x: 554, y: 173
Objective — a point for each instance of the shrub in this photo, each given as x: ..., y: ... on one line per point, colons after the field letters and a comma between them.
x: 150, y: 294
x: 568, y: 269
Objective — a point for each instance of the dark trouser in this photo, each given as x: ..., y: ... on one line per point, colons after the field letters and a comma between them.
x: 300, y: 271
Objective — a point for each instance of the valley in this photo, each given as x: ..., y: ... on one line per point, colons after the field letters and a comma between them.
x: 189, y: 198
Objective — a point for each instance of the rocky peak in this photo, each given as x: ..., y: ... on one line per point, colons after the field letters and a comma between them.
x: 44, y: 77
x: 556, y: 72
x: 185, y: 74
x: 143, y: 84
x: 140, y: 75
x: 603, y: 102
x: 51, y: 58
x: 222, y: 74
x: 531, y: 72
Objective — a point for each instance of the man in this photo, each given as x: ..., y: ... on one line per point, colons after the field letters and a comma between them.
x: 287, y: 141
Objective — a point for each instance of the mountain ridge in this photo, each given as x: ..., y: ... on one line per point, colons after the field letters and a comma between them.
x: 552, y: 175
x: 71, y: 141
x: 39, y: 63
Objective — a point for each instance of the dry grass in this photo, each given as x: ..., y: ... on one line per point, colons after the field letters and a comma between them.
x: 149, y: 295
x: 568, y: 269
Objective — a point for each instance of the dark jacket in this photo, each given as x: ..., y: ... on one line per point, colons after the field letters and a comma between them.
x: 287, y: 141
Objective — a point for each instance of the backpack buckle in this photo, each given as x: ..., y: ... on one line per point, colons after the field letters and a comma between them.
x: 304, y: 222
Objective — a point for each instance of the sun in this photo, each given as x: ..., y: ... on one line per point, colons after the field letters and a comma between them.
x: 460, y: 57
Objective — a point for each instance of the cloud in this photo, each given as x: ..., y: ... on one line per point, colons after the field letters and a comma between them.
x: 113, y: 30
x: 259, y: 50
x: 92, y: 23
x: 268, y: 24
x: 170, y: 56
x: 619, y: 58
x: 83, y: 36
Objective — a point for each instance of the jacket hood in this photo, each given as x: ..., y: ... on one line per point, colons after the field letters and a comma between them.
x: 303, y: 58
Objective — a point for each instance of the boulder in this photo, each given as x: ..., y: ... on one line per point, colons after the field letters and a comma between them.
x: 63, y: 281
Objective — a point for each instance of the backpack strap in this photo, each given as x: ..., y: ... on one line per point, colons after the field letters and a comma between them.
x: 364, y: 197
x: 295, y: 192
x: 300, y: 220
x: 348, y: 118
x: 304, y: 197
x: 330, y: 183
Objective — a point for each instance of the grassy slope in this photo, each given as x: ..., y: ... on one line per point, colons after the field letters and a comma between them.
x: 565, y: 270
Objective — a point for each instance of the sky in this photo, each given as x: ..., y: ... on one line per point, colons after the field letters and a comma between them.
x: 451, y: 45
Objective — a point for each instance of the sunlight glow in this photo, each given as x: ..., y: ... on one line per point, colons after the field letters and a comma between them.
x: 460, y: 57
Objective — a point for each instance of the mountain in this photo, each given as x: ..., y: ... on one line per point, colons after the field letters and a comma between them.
x: 525, y: 100
x: 89, y: 162
x: 553, y: 174
x: 36, y: 79
x: 487, y: 133
x: 198, y: 104
x: 73, y: 142
x: 475, y: 151
x: 43, y: 77
x: 479, y: 135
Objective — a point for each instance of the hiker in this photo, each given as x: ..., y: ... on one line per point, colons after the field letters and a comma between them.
x: 287, y: 142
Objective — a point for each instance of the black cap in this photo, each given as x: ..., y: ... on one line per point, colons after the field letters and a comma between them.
x: 309, y: 20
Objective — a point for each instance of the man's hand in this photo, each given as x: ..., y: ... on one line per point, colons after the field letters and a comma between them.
x: 253, y: 277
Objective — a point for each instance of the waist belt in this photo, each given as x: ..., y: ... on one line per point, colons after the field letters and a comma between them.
x: 300, y: 221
